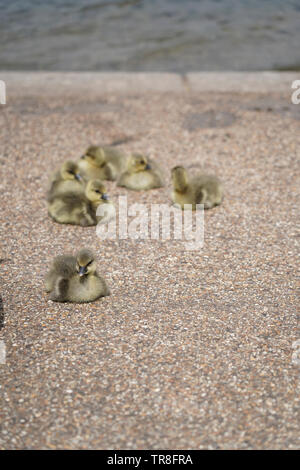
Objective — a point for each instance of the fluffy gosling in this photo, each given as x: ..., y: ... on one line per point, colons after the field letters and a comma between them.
x: 80, y: 209
x: 141, y: 174
x: 200, y: 189
x: 104, y: 163
x: 75, y: 279
x: 67, y: 178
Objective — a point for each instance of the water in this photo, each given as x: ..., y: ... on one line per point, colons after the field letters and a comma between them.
x: 150, y: 35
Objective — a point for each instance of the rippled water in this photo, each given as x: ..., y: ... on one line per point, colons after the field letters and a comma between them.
x: 153, y: 35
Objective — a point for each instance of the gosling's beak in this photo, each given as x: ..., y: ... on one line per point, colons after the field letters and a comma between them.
x: 148, y: 167
x: 105, y: 197
x: 82, y: 156
x: 78, y: 177
x: 82, y: 270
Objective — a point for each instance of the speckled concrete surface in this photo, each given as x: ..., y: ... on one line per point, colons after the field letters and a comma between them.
x: 192, y: 349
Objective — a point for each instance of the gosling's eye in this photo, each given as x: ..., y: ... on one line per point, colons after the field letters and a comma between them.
x: 97, y: 191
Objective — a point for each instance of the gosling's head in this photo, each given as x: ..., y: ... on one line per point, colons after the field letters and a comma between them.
x: 95, y: 156
x: 179, y: 178
x: 137, y: 163
x: 85, y: 263
x: 69, y: 171
x: 96, y: 192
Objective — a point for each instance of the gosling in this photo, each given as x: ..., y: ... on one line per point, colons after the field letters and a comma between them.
x: 104, y: 163
x: 141, y: 174
x: 201, y: 189
x: 67, y: 178
x: 75, y: 279
x: 80, y: 209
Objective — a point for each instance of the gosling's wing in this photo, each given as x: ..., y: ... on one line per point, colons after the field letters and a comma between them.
x: 116, y: 158
x: 198, y: 184
x: 64, y: 266
x: 207, y: 187
x: 200, y: 193
x: 73, y: 200
x: 60, y: 291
